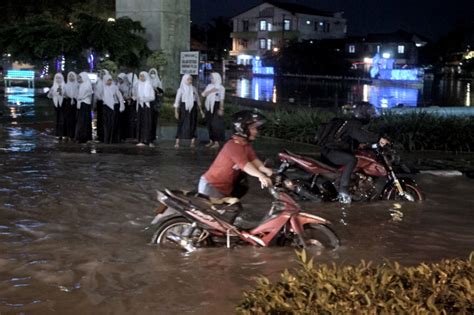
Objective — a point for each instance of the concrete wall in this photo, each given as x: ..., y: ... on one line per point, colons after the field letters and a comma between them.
x: 167, y: 24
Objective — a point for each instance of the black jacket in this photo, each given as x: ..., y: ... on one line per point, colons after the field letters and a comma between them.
x: 350, y: 136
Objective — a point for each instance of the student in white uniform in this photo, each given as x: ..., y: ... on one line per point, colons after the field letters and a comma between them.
x: 56, y: 93
x: 214, y: 103
x: 70, y: 104
x: 156, y: 104
x: 186, y: 107
x: 113, y: 105
x: 145, y: 95
x: 84, y: 108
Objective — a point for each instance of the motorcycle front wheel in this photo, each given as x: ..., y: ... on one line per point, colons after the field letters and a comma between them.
x: 412, y: 193
x: 319, y: 236
x: 173, y: 229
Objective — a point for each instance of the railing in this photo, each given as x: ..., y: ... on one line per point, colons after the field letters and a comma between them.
x: 20, y: 75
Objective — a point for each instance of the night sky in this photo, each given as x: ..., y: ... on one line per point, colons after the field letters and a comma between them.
x: 430, y: 18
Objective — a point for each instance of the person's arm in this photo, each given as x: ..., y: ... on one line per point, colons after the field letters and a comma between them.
x: 259, y: 165
x: 250, y: 169
x: 365, y: 136
x: 176, y: 104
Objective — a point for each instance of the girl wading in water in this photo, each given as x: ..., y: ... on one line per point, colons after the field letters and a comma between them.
x: 214, y: 94
x: 84, y: 108
x: 56, y: 93
x: 186, y: 107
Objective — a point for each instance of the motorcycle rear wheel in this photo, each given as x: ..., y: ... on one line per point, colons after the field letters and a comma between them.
x: 177, y: 226
x: 412, y: 192
x: 319, y: 236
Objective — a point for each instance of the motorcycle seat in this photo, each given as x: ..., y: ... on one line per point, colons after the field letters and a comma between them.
x: 313, y: 161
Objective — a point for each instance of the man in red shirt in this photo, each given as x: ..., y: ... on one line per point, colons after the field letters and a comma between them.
x: 236, y: 156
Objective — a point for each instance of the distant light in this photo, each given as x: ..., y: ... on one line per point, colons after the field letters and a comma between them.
x: 276, y: 49
x: 107, y: 55
x: 9, y: 55
x: 110, y: 19
x: 258, y: 57
x: 310, y: 41
x: 225, y: 49
x: 308, y: 22
x: 418, y: 44
x: 386, y: 55
x: 367, y: 60
x: 321, y: 23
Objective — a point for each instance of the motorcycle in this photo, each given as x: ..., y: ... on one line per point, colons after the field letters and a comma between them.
x: 373, y: 177
x: 191, y: 220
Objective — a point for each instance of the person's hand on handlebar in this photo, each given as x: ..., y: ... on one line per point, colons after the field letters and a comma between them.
x: 383, y: 142
x: 265, y: 181
x: 267, y: 171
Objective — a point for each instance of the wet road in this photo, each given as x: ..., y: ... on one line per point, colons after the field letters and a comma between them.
x: 73, y: 229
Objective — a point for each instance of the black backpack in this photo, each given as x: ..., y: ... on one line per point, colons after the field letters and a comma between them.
x: 330, y: 132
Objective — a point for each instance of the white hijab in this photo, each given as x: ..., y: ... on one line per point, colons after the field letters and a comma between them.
x: 99, y: 85
x: 211, y: 97
x: 57, y: 90
x: 145, y: 92
x: 85, y: 89
x: 155, y: 78
x: 187, y: 92
x: 110, y: 99
x: 124, y: 87
x: 72, y: 87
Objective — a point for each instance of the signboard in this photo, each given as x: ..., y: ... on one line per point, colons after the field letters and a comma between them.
x: 189, y: 63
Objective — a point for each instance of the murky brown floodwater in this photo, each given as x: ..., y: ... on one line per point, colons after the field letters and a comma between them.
x: 73, y: 230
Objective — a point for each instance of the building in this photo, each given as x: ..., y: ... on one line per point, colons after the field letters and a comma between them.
x: 270, y: 25
x: 400, y: 47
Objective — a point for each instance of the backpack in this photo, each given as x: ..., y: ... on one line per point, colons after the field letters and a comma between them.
x: 330, y: 132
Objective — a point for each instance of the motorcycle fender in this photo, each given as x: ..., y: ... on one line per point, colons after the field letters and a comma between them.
x: 301, y: 219
x: 165, y: 216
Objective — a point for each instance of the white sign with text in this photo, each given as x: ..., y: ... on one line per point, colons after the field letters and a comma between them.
x: 189, y: 63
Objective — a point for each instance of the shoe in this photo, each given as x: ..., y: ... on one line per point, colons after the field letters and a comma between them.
x: 215, y: 145
x: 344, y: 198
x: 151, y: 145
x: 140, y: 144
x: 210, y: 144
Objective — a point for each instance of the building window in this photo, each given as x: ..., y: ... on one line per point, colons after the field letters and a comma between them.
x: 263, y: 25
x: 269, y: 44
x: 401, y: 49
x: 263, y: 43
x: 352, y: 49
x: 269, y: 26
x: 245, y: 26
x: 286, y: 25
x: 326, y: 27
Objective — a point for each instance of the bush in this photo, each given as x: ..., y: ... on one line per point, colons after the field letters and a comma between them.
x: 440, y: 288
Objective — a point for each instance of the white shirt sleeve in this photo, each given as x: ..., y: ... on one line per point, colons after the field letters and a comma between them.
x: 177, y: 100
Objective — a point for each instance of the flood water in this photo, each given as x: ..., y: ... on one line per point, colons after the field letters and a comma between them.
x: 328, y: 93
x: 74, y: 228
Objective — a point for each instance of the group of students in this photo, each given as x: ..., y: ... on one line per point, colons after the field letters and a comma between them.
x: 129, y: 108
x: 126, y: 109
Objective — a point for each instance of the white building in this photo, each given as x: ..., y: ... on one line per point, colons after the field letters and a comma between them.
x: 272, y: 24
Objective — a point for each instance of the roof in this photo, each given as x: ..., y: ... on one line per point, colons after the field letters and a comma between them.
x: 292, y: 8
x: 399, y: 36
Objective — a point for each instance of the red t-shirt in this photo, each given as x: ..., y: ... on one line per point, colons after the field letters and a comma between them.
x: 233, y: 157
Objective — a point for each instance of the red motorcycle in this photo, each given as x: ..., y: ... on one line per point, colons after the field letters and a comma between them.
x: 190, y: 220
x: 373, y: 177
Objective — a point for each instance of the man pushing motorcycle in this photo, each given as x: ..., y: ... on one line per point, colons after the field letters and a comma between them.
x: 237, y: 157
x: 337, y: 143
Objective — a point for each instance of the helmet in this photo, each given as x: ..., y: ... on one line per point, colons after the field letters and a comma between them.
x: 363, y: 111
x: 242, y: 120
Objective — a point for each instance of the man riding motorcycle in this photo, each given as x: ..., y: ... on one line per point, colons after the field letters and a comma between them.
x: 236, y: 157
x: 341, y: 139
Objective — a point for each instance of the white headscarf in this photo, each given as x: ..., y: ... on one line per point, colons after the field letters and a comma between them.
x: 187, y: 92
x: 155, y: 79
x: 85, y: 90
x: 145, y: 92
x: 99, y: 85
x: 124, y: 86
x: 133, y: 80
x: 72, y: 87
x: 211, y: 97
x: 57, y: 90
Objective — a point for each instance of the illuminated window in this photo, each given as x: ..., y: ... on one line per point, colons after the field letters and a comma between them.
x: 269, y: 26
x: 401, y: 49
x: 269, y: 44
x: 263, y: 25
x: 352, y: 49
x: 286, y: 25
x: 263, y: 43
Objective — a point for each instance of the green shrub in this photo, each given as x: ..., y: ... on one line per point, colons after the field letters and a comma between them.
x: 446, y: 287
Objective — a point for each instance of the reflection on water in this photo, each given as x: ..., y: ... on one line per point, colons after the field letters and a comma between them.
x: 329, y: 93
x: 20, y: 95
